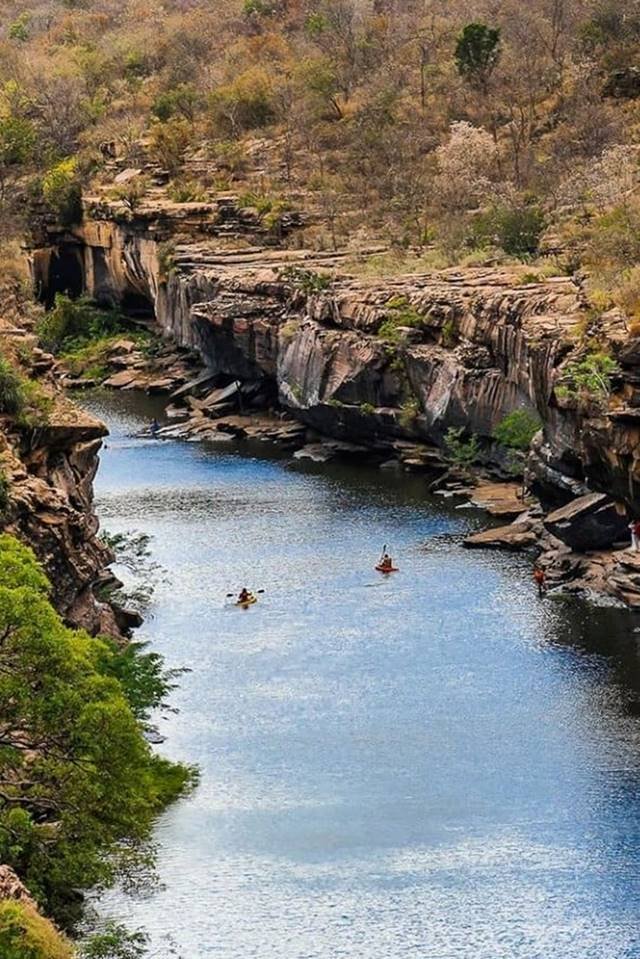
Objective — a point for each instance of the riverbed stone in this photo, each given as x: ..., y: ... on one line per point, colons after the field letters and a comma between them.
x: 515, y: 537
x: 590, y: 522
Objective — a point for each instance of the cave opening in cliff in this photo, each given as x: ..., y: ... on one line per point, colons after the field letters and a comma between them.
x: 65, y: 274
x: 137, y: 306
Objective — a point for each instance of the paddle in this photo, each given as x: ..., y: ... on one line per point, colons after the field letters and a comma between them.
x: 229, y: 595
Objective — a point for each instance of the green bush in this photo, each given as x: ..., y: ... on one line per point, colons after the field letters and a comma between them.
x: 83, y: 785
x: 19, y: 29
x: 245, y: 103
x: 131, y: 193
x: 590, y: 375
x: 17, y: 141
x: 307, y: 281
x: 409, y: 411
x: 5, y: 489
x: 24, y: 934
x: 517, y: 429
x: 516, y: 229
x: 258, y: 8
x: 182, y: 100
x: 62, y: 191
x: 115, y: 941
x: 401, y: 314
x: 72, y: 323
x: 477, y: 52
x: 458, y: 450
x: 186, y: 191
x: 21, y: 398
x: 11, y: 395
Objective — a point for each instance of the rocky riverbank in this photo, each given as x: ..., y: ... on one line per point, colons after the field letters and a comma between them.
x: 285, y: 344
x: 47, y: 469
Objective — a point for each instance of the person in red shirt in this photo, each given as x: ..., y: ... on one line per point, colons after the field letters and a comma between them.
x: 540, y: 580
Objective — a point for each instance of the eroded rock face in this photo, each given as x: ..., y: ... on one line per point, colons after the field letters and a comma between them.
x: 50, y: 475
x: 590, y: 522
x: 371, y: 360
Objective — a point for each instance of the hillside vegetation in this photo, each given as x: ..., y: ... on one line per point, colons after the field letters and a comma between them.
x: 473, y: 132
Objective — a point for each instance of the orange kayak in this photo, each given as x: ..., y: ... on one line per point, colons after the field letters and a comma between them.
x: 387, y: 569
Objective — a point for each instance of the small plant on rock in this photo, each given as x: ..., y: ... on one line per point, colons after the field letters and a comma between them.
x: 517, y: 429
x: 11, y: 396
x: 590, y: 376
x: 307, y: 281
x: 409, y: 412
x: 4, y: 494
x: 458, y: 450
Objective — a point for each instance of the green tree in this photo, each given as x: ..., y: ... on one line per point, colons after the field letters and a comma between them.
x: 79, y: 785
x: 17, y: 144
x: 116, y: 942
x: 458, y: 450
x: 476, y: 54
x: 62, y: 192
x: 182, y: 100
x: 516, y: 229
x: 517, y: 429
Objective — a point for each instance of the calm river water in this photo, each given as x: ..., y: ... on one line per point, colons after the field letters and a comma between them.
x: 437, y: 765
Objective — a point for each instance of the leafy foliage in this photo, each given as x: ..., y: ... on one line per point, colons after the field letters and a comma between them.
x: 79, y: 786
x: 21, y: 398
x: 458, y: 450
x: 516, y: 229
x: 24, y: 934
x: 132, y: 192
x: 517, y: 429
x: 590, y: 375
x: 17, y: 141
x: 476, y: 54
x: 115, y: 941
x: 307, y: 281
x: 71, y: 324
x: 11, y: 395
x: 62, y: 191
x: 400, y: 314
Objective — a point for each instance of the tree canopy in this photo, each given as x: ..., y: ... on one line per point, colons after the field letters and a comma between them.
x: 79, y: 785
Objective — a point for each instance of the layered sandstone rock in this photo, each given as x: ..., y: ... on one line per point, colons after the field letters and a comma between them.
x: 378, y: 362
x: 50, y: 471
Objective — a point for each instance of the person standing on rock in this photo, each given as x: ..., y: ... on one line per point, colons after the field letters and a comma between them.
x: 635, y: 534
x: 540, y: 580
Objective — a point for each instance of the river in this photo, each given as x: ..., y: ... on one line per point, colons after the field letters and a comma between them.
x: 435, y: 765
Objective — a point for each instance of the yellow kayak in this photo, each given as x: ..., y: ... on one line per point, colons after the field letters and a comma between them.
x: 245, y: 603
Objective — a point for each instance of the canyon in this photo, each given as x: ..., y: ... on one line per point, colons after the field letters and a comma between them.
x: 384, y: 362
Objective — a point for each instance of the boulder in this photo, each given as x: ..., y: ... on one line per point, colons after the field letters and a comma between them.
x: 499, y: 499
x: 514, y: 537
x: 589, y: 522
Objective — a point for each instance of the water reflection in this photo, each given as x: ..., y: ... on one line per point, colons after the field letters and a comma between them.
x: 437, y: 765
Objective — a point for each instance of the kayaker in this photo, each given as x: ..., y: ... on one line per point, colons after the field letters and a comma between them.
x: 244, y: 596
x: 540, y: 580
x: 385, y: 561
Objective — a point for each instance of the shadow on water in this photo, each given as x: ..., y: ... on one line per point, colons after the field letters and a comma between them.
x: 442, y: 766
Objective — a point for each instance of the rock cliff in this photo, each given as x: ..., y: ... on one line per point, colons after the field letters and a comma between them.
x: 372, y: 360
x: 47, y: 474
x: 50, y: 472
